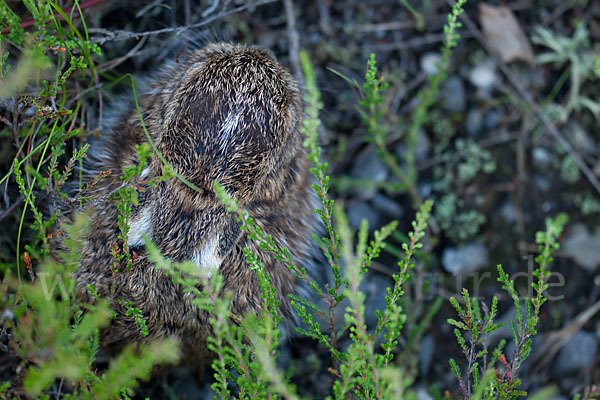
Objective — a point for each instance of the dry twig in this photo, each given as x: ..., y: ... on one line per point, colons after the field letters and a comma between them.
x: 10, y: 209
x: 556, y: 340
x: 116, y: 35
x: 294, y: 40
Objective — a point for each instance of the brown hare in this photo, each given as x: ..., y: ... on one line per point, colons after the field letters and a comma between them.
x: 227, y: 113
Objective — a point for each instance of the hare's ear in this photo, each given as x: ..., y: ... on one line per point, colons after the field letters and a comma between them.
x: 140, y: 221
x: 217, y: 245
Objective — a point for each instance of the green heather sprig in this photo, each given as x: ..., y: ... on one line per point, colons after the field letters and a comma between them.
x: 42, y: 138
x: 477, y: 326
x: 362, y: 368
x: 392, y: 318
x: 329, y: 244
x: 371, y: 109
x: 427, y: 97
x: 60, y: 337
x: 136, y: 314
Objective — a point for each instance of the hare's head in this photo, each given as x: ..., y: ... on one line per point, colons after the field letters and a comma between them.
x: 229, y: 114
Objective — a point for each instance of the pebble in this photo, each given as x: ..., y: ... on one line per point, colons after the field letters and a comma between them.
x: 422, y: 394
x: 359, y: 211
x: 541, y: 183
x: 465, y: 259
x: 368, y: 166
x: 422, y: 149
x: 424, y: 189
x: 542, y: 158
x: 580, y: 138
x: 429, y: 63
x: 374, y: 287
x: 387, y: 206
x: 583, y: 247
x: 491, y: 120
x: 426, y: 353
x: 578, y: 354
x: 483, y: 76
x: 473, y: 122
x: 454, y: 98
x: 7, y: 314
x: 508, y: 212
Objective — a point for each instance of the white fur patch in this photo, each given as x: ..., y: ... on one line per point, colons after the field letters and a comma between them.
x: 138, y: 226
x: 229, y: 126
x: 207, y: 258
x: 145, y: 173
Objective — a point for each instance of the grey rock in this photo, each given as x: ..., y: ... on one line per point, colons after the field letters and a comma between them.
x: 542, y: 183
x: 387, y: 206
x: 580, y: 138
x: 359, y: 211
x: 368, y: 166
x: 491, y: 120
x: 422, y: 394
x: 548, y: 206
x: 578, y: 354
x: 429, y: 63
x: 483, y: 76
x: 7, y: 314
x: 374, y: 288
x: 542, y: 158
x: 583, y: 247
x: 425, y: 189
x: 508, y: 212
x: 465, y: 259
x: 422, y: 149
x: 473, y: 122
x: 426, y: 353
x: 453, y: 94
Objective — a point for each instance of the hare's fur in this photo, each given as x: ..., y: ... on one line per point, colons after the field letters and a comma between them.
x: 227, y: 113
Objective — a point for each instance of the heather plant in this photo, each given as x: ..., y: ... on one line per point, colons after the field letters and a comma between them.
x: 60, y: 337
x: 502, y: 382
x: 371, y: 110
x: 360, y: 369
x: 457, y: 217
x: 44, y: 122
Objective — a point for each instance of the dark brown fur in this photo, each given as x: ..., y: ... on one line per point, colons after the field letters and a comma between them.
x: 258, y: 158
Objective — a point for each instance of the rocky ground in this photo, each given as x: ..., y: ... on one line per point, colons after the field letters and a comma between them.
x: 494, y: 166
